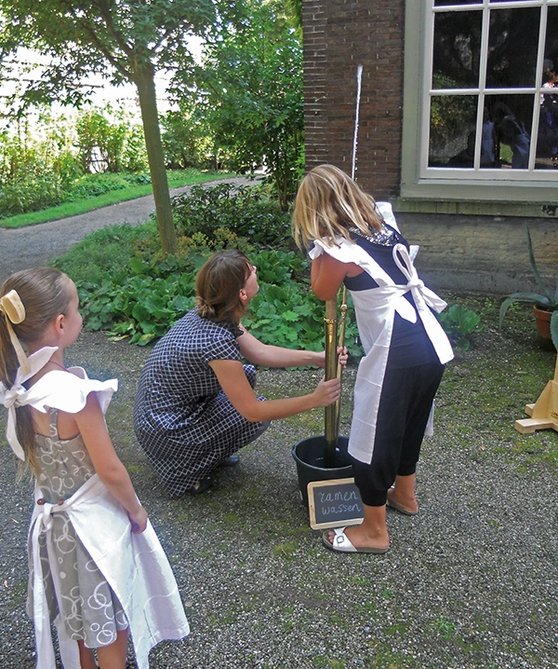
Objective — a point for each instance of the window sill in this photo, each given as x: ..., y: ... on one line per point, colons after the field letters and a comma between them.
x: 547, y: 209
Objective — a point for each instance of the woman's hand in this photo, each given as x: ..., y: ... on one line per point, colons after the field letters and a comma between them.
x: 327, y: 392
x: 138, y: 520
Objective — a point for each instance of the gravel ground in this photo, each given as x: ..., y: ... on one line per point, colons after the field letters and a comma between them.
x: 468, y: 583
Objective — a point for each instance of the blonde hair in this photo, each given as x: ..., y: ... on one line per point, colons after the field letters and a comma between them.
x: 44, y: 293
x: 218, y: 286
x: 328, y: 203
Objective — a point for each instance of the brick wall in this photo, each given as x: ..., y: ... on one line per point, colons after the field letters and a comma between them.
x: 479, y: 253
x: 337, y: 38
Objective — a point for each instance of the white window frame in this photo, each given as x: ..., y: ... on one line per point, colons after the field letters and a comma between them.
x: 421, y: 182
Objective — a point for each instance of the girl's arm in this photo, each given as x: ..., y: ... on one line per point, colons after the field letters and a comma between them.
x: 92, y: 427
x: 235, y: 385
x: 327, y: 275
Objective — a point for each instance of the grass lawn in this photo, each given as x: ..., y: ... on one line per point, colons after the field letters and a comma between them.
x: 176, y: 179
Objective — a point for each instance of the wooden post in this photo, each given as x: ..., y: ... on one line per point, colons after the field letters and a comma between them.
x: 544, y: 412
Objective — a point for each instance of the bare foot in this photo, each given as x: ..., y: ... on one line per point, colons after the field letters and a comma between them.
x: 407, y: 504
x: 360, y: 538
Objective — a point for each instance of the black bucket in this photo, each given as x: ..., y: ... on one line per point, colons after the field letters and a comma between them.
x: 309, y: 457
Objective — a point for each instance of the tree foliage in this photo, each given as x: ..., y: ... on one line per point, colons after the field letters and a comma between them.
x: 249, y: 90
x: 121, y: 40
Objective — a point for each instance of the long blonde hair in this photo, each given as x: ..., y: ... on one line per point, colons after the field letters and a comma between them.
x: 44, y: 293
x: 328, y: 202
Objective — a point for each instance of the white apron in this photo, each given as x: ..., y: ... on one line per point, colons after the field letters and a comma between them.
x: 134, y: 565
x: 375, y: 311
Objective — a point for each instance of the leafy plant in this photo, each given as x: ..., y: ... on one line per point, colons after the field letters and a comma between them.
x: 248, y: 92
x: 459, y: 323
x: 244, y: 210
x: 546, y: 298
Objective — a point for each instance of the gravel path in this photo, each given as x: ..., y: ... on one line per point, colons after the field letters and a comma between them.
x: 470, y: 582
x: 35, y: 245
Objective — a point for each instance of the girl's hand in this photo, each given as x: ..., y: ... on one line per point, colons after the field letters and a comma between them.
x: 342, y: 354
x: 327, y: 392
x: 138, y: 520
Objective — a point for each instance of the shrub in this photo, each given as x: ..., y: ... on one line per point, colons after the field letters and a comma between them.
x: 109, y: 145
x: 244, y: 210
x: 33, y: 174
x: 459, y: 323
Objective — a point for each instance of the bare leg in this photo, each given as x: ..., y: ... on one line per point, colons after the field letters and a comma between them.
x: 371, y: 533
x: 86, y: 658
x: 402, y: 494
x: 114, y: 655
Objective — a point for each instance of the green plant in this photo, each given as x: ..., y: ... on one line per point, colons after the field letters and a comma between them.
x: 459, y: 323
x: 244, y: 210
x: 546, y: 298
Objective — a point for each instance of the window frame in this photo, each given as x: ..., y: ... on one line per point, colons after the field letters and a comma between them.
x: 420, y: 182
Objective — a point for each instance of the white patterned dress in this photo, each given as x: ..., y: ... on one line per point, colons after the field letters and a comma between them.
x: 88, y: 606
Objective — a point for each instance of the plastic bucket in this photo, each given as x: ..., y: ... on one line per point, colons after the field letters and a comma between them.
x: 308, y: 455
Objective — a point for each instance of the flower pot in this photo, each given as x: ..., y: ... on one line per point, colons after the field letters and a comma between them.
x: 308, y: 455
x: 542, y: 323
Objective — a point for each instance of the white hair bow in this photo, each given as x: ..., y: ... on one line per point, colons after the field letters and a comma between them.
x: 18, y: 395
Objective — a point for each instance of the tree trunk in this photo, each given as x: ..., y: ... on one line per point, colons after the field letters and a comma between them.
x: 145, y: 82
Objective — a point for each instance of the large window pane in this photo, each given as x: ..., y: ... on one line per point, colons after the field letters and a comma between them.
x: 445, y: 3
x: 551, y: 41
x: 512, y: 48
x: 547, y: 140
x: 456, y: 49
x: 481, y: 103
x: 452, y: 130
x: 512, y: 116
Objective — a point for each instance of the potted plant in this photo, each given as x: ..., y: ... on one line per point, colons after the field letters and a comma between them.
x: 545, y: 302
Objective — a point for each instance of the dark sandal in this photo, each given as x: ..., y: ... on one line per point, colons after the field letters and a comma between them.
x: 201, y: 486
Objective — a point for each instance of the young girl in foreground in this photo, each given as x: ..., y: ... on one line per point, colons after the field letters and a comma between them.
x: 405, y: 346
x: 97, y: 569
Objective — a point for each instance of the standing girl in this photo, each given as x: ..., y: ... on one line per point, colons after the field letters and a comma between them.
x: 97, y: 570
x: 405, y: 347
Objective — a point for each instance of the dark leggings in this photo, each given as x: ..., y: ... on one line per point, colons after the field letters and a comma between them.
x: 405, y: 402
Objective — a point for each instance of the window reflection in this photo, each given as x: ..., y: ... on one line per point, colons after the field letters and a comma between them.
x: 512, y: 115
x: 492, y: 126
x: 504, y: 141
x: 452, y: 130
x: 456, y: 49
x: 512, y: 48
x: 547, y: 140
x: 442, y: 3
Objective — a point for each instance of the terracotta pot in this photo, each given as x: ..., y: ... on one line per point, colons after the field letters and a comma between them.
x: 542, y: 323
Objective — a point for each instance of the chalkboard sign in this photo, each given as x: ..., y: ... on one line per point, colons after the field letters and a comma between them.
x: 334, y: 503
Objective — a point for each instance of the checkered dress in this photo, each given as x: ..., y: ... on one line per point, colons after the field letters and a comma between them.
x: 183, y: 420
